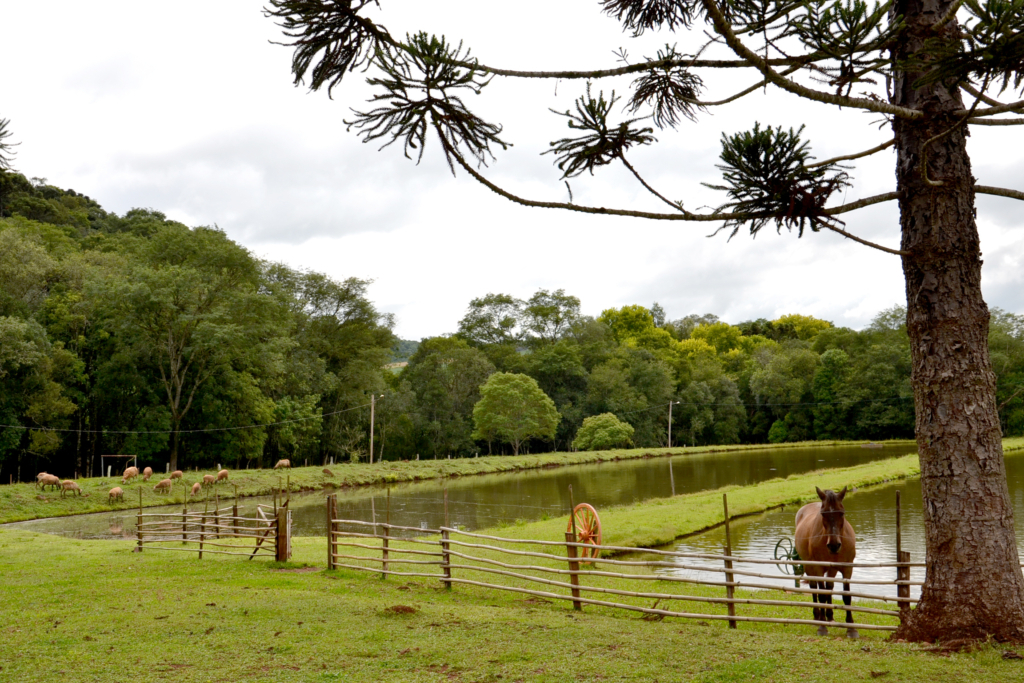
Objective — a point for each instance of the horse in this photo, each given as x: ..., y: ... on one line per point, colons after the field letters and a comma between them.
x: 824, y: 535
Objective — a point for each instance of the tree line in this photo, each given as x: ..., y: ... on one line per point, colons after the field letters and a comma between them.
x: 137, y: 334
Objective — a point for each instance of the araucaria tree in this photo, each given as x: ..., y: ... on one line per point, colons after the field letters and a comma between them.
x: 930, y: 68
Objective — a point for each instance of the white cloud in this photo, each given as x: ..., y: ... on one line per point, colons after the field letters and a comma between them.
x: 188, y: 109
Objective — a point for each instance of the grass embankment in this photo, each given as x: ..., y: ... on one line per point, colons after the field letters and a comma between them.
x: 19, y: 502
x: 93, y: 611
x: 660, y: 521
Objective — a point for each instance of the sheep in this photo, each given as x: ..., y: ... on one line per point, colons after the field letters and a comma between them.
x: 222, y: 476
x: 49, y: 480
x: 147, y: 473
x: 129, y: 474
x: 196, y: 488
x: 177, y: 474
x: 328, y: 473
x: 115, y: 494
x: 209, y: 480
x: 69, y: 486
x: 39, y: 478
x: 283, y: 463
x: 164, y: 485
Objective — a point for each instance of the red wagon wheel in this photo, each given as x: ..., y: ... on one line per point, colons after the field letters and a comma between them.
x: 588, y: 529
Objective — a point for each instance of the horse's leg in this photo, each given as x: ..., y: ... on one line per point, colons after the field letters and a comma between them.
x: 850, y: 632
x: 819, y: 612
x: 828, y: 597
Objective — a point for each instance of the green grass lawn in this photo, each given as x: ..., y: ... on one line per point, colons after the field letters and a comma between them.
x: 20, y: 502
x: 94, y: 611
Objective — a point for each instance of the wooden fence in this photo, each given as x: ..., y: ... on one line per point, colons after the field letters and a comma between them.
x: 556, y: 570
x: 222, y: 531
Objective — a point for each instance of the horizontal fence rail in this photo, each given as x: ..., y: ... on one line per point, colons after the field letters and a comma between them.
x: 221, y: 531
x: 538, y: 568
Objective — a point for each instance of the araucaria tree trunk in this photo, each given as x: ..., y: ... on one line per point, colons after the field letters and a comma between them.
x: 974, y: 587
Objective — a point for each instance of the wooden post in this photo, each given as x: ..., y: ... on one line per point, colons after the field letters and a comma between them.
x: 387, y: 534
x: 234, y: 511
x: 184, y: 523
x: 373, y: 404
x: 332, y: 502
x: 729, y: 590
x: 574, y: 567
x: 447, y: 566
x: 216, y: 516
x: 202, y: 529
x: 902, y: 573
x: 138, y: 522
x: 281, y: 550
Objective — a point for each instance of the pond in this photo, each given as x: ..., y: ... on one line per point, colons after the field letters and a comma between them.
x: 488, y: 500
x: 872, y: 512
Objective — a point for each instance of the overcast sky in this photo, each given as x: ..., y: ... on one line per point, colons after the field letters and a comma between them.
x: 187, y: 108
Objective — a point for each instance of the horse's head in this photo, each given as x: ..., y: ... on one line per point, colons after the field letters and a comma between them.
x: 832, y: 517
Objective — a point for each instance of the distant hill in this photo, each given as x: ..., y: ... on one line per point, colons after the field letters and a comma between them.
x: 401, y: 351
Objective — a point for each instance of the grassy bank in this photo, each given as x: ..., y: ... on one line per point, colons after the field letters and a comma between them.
x: 20, y: 502
x: 660, y: 521
x: 93, y: 611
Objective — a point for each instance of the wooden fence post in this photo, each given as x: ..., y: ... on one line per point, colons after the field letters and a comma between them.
x: 729, y: 590
x: 574, y: 567
x: 202, y: 533
x: 138, y: 523
x: 387, y: 533
x: 184, y: 522
x: 902, y: 573
x: 234, y: 512
x: 447, y: 566
x: 332, y: 503
x: 216, y: 516
x: 281, y: 543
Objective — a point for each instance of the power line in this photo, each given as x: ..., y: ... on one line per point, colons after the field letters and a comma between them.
x: 187, y: 431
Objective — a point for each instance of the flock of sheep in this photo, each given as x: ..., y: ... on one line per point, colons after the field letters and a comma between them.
x: 117, y: 493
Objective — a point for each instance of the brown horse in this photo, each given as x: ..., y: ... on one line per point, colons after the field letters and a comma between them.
x: 824, y: 535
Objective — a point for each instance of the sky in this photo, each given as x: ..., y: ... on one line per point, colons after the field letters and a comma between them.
x: 190, y: 109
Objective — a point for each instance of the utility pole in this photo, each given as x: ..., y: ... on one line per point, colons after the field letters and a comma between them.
x: 373, y: 405
x: 670, y: 403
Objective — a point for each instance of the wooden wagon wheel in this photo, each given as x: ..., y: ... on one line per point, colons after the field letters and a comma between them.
x: 588, y: 529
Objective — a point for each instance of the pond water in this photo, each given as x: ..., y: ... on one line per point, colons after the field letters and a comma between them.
x: 485, y: 501
x: 872, y: 512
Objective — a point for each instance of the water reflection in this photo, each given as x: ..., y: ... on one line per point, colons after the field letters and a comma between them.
x: 872, y: 512
x: 485, y: 501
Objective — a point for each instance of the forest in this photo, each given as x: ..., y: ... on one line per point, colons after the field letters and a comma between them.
x: 137, y: 334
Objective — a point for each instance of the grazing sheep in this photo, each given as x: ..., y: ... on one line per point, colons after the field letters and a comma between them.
x: 39, y: 478
x: 196, y: 488
x: 49, y: 480
x: 147, y: 473
x: 129, y: 474
x: 328, y: 473
x: 164, y: 485
x: 283, y: 463
x: 209, y: 480
x: 69, y: 486
x: 115, y: 494
x: 177, y: 474
x: 222, y: 476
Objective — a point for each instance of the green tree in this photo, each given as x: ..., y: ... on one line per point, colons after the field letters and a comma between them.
x: 446, y: 375
x: 493, y: 319
x: 513, y: 409
x: 6, y: 146
x: 600, y: 432
x: 548, y: 316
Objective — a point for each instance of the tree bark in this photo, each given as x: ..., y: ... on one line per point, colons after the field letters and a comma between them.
x: 973, y: 588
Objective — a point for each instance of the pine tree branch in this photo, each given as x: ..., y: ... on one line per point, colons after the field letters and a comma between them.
x: 724, y: 29
x: 742, y: 93
x: 980, y: 95
x: 858, y: 155
x: 995, y: 122
x: 999, y: 192
x: 674, y: 205
x: 684, y: 215
x: 1000, y: 109
x: 644, y: 66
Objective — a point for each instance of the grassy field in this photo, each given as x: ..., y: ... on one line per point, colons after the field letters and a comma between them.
x: 94, y: 611
x: 75, y: 610
x: 20, y: 502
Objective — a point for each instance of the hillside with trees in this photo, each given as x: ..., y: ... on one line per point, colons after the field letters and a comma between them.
x: 137, y: 334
